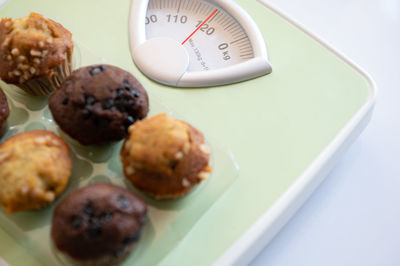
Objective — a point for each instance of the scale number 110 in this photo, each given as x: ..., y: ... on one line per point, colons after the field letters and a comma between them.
x: 176, y: 18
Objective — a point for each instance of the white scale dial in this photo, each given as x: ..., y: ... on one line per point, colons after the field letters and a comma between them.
x: 196, y: 43
x: 219, y: 43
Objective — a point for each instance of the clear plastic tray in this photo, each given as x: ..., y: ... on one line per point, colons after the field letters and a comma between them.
x: 169, y: 221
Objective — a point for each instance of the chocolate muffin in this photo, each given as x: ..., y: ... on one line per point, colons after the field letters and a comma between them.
x: 35, y: 53
x: 165, y: 157
x: 35, y: 167
x: 97, y: 104
x: 98, y: 224
x: 4, y: 112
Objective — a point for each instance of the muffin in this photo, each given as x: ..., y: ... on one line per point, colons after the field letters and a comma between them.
x: 165, y: 157
x: 35, y: 53
x: 97, y: 104
x: 35, y: 168
x: 4, y: 112
x: 98, y: 224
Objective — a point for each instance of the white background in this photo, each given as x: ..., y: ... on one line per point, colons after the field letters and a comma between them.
x: 353, y: 218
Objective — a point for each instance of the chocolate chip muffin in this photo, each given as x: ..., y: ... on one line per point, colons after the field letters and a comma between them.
x: 35, y: 53
x: 165, y: 157
x: 97, y: 104
x: 4, y: 112
x: 98, y: 224
x: 35, y: 168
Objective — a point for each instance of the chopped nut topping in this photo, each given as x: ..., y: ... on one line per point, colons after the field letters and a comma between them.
x: 41, y: 44
x: 204, y: 148
x: 178, y: 155
x: 203, y: 175
x: 49, y: 40
x: 21, y: 58
x: 23, y: 67
x: 36, y: 53
x: 7, y: 24
x: 186, y: 147
x: 26, y: 75
x: 9, y: 57
x: 3, y: 156
x: 17, y: 73
x: 50, y: 196
x: 36, y: 61
x: 15, y: 51
x: 185, y: 182
x: 131, y: 128
x: 32, y: 70
x: 6, y: 42
x: 129, y: 170
x: 24, y: 190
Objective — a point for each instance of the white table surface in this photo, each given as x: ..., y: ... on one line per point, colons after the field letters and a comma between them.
x: 353, y: 218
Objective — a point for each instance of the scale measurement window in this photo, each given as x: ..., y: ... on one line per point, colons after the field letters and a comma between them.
x: 196, y: 43
x: 220, y: 42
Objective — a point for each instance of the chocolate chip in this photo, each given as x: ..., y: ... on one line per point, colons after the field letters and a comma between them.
x: 135, y: 94
x: 90, y: 100
x: 126, y: 85
x: 129, y: 120
x: 118, y: 253
x: 120, y: 92
x: 76, y: 222
x: 106, y: 217
x: 86, y: 113
x: 108, y: 103
x: 94, y: 228
x: 88, y: 210
x: 121, y: 107
x: 102, y: 68
x: 123, y: 202
x: 131, y: 238
x: 65, y: 101
x: 94, y: 231
x: 118, y: 101
x: 101, y: 122
x: 129, y: 103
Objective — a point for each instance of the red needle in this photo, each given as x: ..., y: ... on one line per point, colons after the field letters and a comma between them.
x: 204, y: 22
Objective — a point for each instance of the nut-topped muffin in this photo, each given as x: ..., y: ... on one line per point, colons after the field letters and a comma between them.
x: 4, y: 112
x: 35, y: 53
x: 165, y: 157
x: 98, y: 224
x: 35, y: 167
x: 96, y: 104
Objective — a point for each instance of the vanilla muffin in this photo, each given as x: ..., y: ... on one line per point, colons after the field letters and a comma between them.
x: 4, y: 112
x: 35, y: 168
x: 99, y: 224
x: 165, y: 157
x: 35, y: 53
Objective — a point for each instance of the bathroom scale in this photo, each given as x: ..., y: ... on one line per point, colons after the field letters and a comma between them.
x: 278, y: 105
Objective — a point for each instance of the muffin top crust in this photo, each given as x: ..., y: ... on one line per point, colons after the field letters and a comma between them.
x: 96, y: 104
x: 98, y: 220
x: 31, y: 47
x: 35, y: 167
x: 165, y: 157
